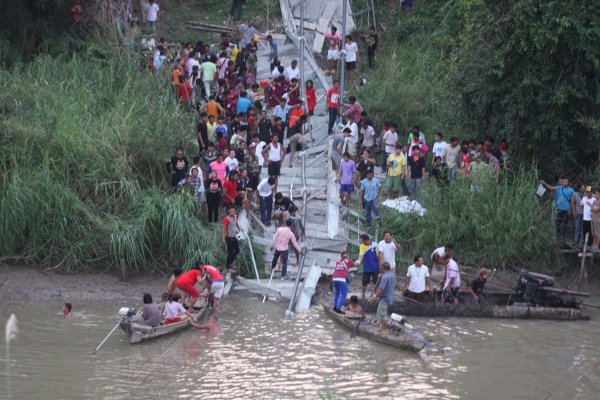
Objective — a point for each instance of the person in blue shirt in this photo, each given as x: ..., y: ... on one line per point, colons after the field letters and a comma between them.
x: 367, y: 254
x: 243, y: 104
x: 562, y: 202
x: 384, y: 295
x: 371, y: 187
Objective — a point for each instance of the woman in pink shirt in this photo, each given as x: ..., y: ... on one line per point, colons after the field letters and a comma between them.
x: 220, y: 167
x: 281, y: 244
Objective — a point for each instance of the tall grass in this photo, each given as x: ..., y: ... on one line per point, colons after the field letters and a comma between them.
x: 502, y: 224
x: 85, y: 139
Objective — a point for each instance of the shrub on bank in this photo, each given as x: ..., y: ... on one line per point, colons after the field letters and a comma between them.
x: 85, y: 139
x: 498, y: 224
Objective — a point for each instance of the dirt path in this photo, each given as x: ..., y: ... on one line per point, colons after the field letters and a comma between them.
x: 26, y: 284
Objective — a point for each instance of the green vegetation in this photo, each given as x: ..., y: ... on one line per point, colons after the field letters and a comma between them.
x: 85, y: 139
x: 526, y: 70
x: 498, y: 225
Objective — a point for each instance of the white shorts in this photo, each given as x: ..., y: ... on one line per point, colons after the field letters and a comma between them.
x: 216, y: 289
x: 333, y: 54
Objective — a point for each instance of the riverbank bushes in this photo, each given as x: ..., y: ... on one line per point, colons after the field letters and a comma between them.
x: 493, y: 224
x: 85, y: 140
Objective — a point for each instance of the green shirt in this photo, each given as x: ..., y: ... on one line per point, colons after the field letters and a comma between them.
x: 209, y: 70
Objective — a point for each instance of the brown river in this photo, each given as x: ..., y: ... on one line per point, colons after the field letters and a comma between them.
x: 262, y: 355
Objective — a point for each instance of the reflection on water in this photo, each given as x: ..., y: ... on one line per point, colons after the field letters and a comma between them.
x: 261, y: 355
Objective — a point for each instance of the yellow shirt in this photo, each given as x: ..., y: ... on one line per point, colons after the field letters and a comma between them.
x: 210, y: 128
x: 233, y: 54
x: 398, y: 164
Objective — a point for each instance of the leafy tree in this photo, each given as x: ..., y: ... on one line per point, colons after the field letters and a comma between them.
x: 528, y: 70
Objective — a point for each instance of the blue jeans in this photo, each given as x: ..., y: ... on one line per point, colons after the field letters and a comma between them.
x: 404, y: 188
x: 340, y: 290
x: 371, y: 206
x: 579, y: 228
x: 266, y: 208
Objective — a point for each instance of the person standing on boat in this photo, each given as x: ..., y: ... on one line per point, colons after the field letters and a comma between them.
x: 384, y: 294
x: 187, y: 281
x: 452, y: 283
x: 151, y: 314
x: 368, y: 255
x: 418, y: 283
x: 477, y: 287
x: 172, y: 284
x: 438, y: 271
x: 340, y: 281
x: 216, y: 285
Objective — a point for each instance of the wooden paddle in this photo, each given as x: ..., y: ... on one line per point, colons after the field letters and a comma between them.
x: 353, y: 334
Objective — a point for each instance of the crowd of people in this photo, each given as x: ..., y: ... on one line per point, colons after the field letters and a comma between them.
x: 242, y: 124
x: 583, y: 205
x: 379, y: 268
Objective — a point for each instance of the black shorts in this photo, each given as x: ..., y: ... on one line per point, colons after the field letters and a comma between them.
x: 253, y: 181
x: 350, y: 65
x: 368, y: 277
x: 274, y: 168
x: 450, y: 295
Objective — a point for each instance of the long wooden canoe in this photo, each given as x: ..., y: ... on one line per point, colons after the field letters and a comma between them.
x: 368, y: 328
x: 137, y: 332
x: 496, y: 305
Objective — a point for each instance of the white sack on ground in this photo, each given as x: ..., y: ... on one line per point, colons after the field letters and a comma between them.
x: 404, y: 205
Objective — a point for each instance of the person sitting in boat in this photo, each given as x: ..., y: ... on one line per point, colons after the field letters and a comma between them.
x: 384, y: 294
x: 187, y: 281
x: 67, y: 307
x: 216, y: 284
x: 354, y: 307
x: 440, y: 257
x: 151, y: 314
x: 174, y: 310
x: 452, y: 283
x: 172, y: 284
x: 340, y: 281
x: 477, y: 288
x: 418, y: 282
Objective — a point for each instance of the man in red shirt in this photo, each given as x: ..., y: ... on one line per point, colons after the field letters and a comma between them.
x: 333, y: 103
x: 184, y: 90
x: 187, y: 281
x: 230, y: 189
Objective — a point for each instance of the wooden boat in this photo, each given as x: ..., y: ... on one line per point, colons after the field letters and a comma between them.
x: 495, y: 305
x: 368, y: 328
x: 137, y: 332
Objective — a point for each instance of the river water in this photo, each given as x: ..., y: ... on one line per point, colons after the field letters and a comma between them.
x: 261, y: 355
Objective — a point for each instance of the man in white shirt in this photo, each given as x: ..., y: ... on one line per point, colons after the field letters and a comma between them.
x: 387, y: 250
x: 587, y: 201
x: 193, y: 62
x: 452, y: 283
x: 368, y: 134
x: 389, y: 140
x: 352, y: 136
x: 440, y: 258
x: 265, y: 193
x: 417, y: 283
x: 293, y: 71
x: 438, y: 147
x: 351, y: 49
x: 152, y: 10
